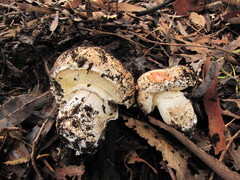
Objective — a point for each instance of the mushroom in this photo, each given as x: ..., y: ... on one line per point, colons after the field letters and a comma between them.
x: 88, y: 83
x: 162, y: 88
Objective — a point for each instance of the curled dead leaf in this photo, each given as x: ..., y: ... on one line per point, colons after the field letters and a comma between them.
x: 197, y: 19
x: 185, y: 7
x: 54, y: 23
x: 133, y: 157
x: 70, y: 171
x: 17, y: 161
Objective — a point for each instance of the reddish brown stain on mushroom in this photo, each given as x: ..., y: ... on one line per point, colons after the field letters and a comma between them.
x: 160, y: 76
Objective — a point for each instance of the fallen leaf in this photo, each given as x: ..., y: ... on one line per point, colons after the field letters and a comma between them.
x: 54, y: 23
x: 17, y: 109
x: 206, y: 39
x: 48, y: 2
x: 18, y: 161
x: 31, y: 8
x: 236, y: 157
x: 70, y: 171
x: 214, y: 113
x: 185, y: 7
x: 126, y: 7
x: 154, y: 139
x: 133, y: 157
x: 17, y: 156
x: 72, y: 3
x: 97, y: 15
x: 217, y: 166
x: 230, y: 47
x: 12, y: 32
x: 232, y: 17
x: 197, y: 19
x: 230, y: 58
x: 234, y: 2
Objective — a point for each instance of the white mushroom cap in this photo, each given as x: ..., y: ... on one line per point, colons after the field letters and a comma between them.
x: 152, y: 91
x: 88, y: 83
x: 93, y: 66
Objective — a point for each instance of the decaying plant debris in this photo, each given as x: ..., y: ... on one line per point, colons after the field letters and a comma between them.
x: 143, y: 36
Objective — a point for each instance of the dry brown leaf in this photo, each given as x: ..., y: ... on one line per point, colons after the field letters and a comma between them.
x: 12, y: 32
x: 234, y: 2
x: 217, y: 166
x: 17, y: 157
x: 70, y: 171
x: 230, y: 58
x: 154, y: 139
x: 126, y: 7
x: 197, y: 19
x: 236, y: 157
x: 204, y: 50
x: 230, y: 47
x: 17, y: 109
x: 233, y: 45
x: 72, y: 3
x: 17, y: 161
x: 48, y: 2
x: 214, y: 113
x: 182, y: 28
x: 98, y: 15
x: 192, y: 46
x: 208, y: 40
x: 232, y: 17
x: 184, y: 7
x: 29, y: 7
x: 54, y: 23
x: 133, y: 157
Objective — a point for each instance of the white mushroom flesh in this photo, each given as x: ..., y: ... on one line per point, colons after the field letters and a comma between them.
x: 83, y: 120
x: 88, y: 83
x: 176, y: 109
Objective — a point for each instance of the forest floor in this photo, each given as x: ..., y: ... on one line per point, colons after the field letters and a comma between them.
x: 142, y: 35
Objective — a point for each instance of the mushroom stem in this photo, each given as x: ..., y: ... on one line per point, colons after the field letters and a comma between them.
x: 87, y: 116
x: 175, y: 109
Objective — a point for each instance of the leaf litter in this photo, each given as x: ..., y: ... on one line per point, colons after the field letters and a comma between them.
x: 143, y: 35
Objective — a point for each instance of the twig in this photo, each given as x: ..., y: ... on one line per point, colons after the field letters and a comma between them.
x: 228, y: 145
x: 8, y: 6
x: 155, y: 42
x: 113, y: 34
x: 177, y: 44
x: 224, y: 152
x: 217, y: 166
x: 148, y: 11
x: 33, y: 154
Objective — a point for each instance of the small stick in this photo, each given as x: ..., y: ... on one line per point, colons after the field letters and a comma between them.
x: 33, y: 154
x: 217, y: 166
x: 148, y: 11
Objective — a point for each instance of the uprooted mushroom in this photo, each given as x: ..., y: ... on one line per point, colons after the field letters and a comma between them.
x: 88, y: 83
x: 162, y: 88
